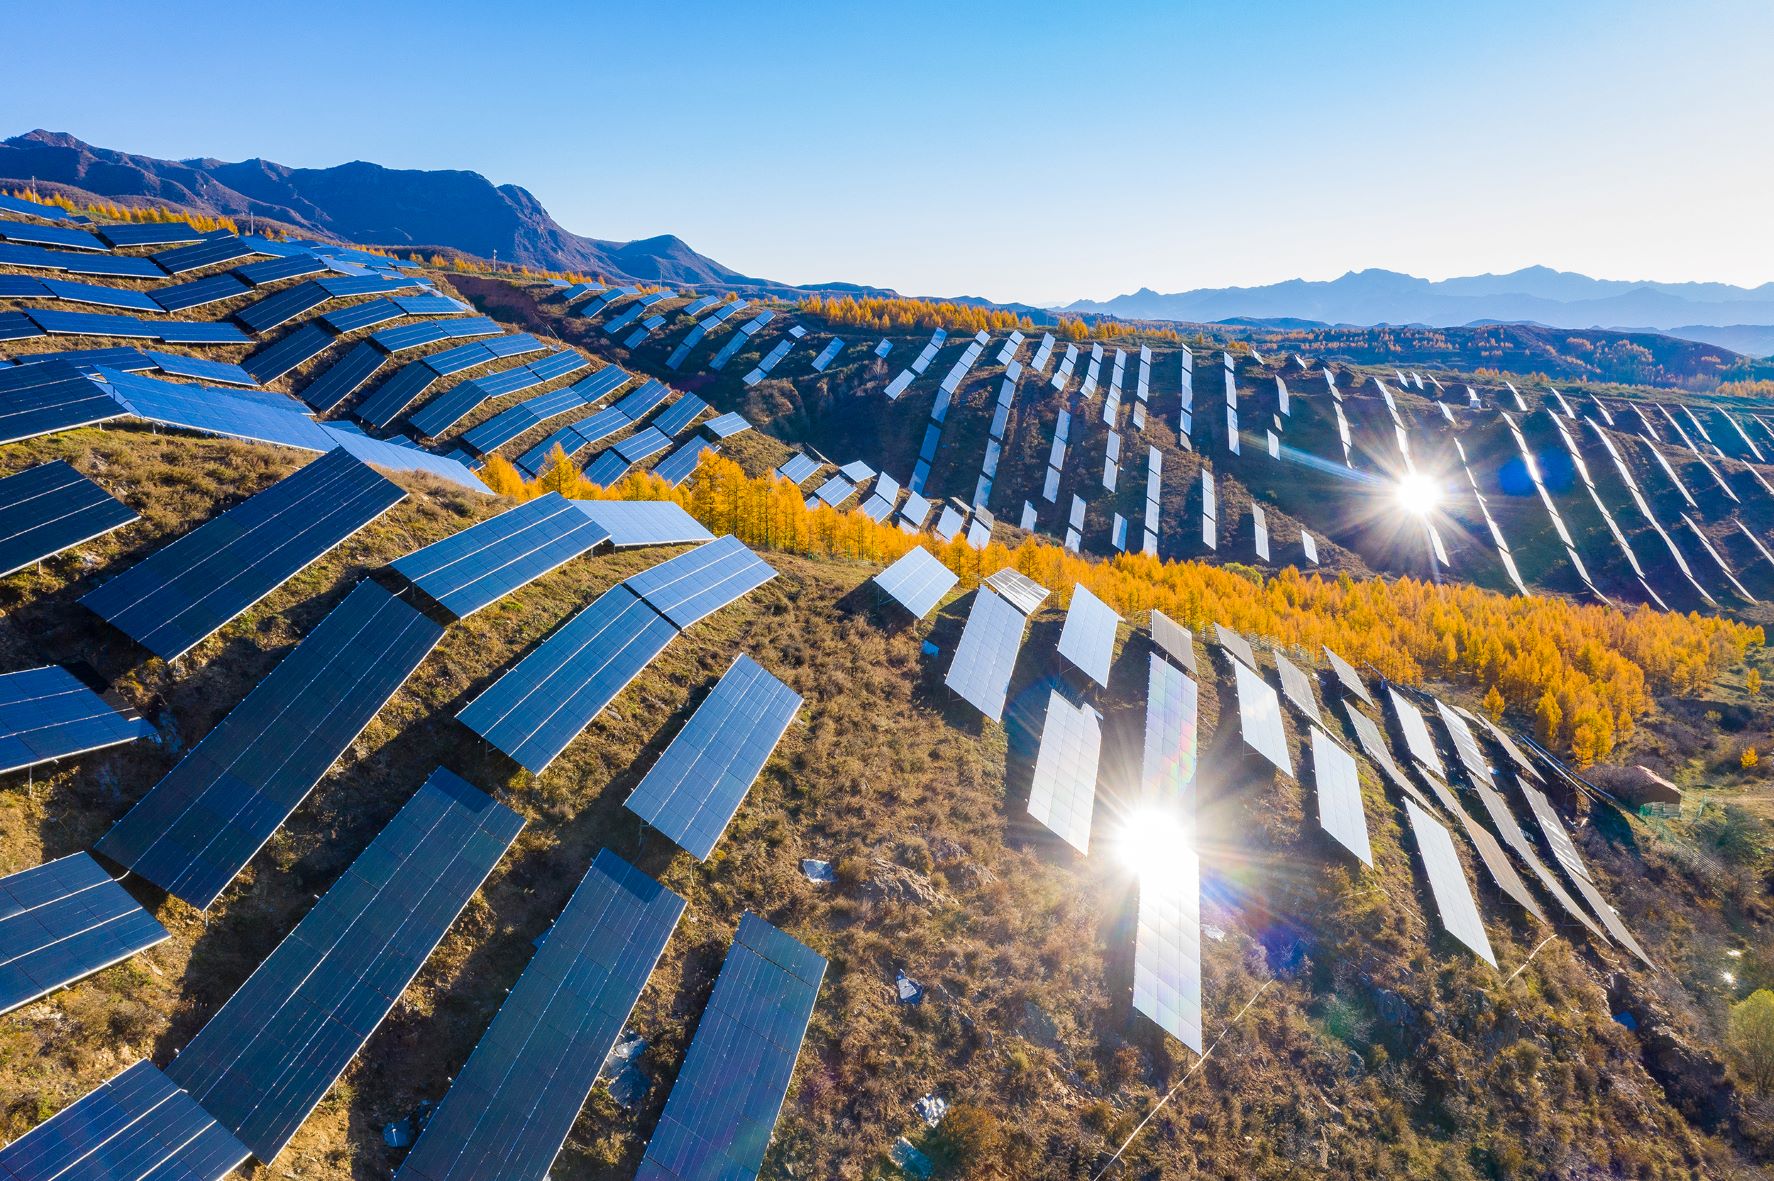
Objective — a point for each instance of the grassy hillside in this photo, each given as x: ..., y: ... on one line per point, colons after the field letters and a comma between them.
x: 1374, y: 1047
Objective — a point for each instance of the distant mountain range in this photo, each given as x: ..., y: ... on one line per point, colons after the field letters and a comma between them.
x: 1740, y: 318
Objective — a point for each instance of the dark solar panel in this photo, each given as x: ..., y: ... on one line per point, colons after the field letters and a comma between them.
x: 209, y: 252
x: 50, y: 396
x: 67, y: 239
x: 411, y: 336
x: 680, y: 414
x: 18, y: 326
x: 269, y: 1056
x: 205, y: 820
x: 77, y: 262
x: 273, y: 270
x: 62, y: 921
x: 696, y: 787
x: 508, y: 424
x: 98, y: 294
x: 362, y: 315
x: 455, y: 360
x: 127, y: 359
x: 186, y: 590
x: 183, y: 296
x: 189, y: 332
x: 723, y: 1108
x: 681, y: 464
x: 151, y: 233
x: 643, y: 444
x: 392, y: 397
x: 487, y: 561
x: 574, y: 438
x: 706, y: 579
x: 343, y: 377
x: 95, y: 324
x: 641, y: 402
x: 452, y: 406
x: 511, y: 1107
x: 289, y: 351
x: 48, y: 713
x: 607, y: 469
x: 138, y: 1126
x: 49, y: 508
x: 263, y: 315
x: 540, y: 705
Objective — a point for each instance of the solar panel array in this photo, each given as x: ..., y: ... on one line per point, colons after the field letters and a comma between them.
x: 1062, y: 794
x: 692, y: 585
x: 476, y: 567
x: 985, y: 657
x: 722, y: 1109
x: 1337, y: 784
x: 50, y: 508
x: 63, y: 920
x: 693, y: 791
x: 1168, y: 764
x: 187, y: 589
x: 48, y: 713
x: 509, y: 1110
x: 917, y: 581
x: 740, y: 338
x: 1088, y: 637
x: 271, y: 1053
x: 1259, y: 718
x: 701, y: 329
x: 1448, y: 883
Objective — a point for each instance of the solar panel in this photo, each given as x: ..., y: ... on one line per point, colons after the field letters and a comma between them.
x: 485, y: 562
x: 917, y: 581
x: 643, y: 444
x: 360, y: 315
x: 510, y: 1109
x: 343, y: 377
x: 644, y: 522
x: 1415, y: 730
x: 1235, y: 644
x: 199, y: 292
x: 692, y: 585
x: 50, y: 396
x: 137, y: 1126
x: 392, y: 397
x: 836, y: 489
x: 1168, y: 765
x: 727, y: 425
x: 1472, y: 756
x: 1176, y: 641
x: 1088, y: 637
x: 722, y: 1109
x: 674, y: 419
x: 1337, y: 785
x: 397, y: 457
x: 269, y: 1056
x: 1259, y: 718
x: 692, y: 793
x: 78, y: 262
x: 1496, y: 863
x: 263, y: 315
x: 67, y: 239
x: 218, y: 249
x: 1062, y: 794
x: 48, y: 713
x: 1167, y: 949
x: 153, y: 233
x: 50, y: 508
x: 200, y: 368
x: 201, y: 824
x: 1017, y: 588
x: 541, y: 704
x: 916, y: 510
x: 275, y: 270
x: 985, y: 657
x: 64, y: 920
x: 1448, y: 883
x: 1296, y: 686
x: 288, y: 352
x: 1348, y: 677
x: 186, y: 590
x: 682, y: 463
x: 260, y: 417
x: 88, y: 293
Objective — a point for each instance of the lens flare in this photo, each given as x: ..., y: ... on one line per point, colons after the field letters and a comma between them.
x: 1154, y: 842
x: 1417, y: 493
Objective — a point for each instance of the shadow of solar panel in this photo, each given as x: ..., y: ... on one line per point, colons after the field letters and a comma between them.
x: 272, y: 1052
x: 485, y: 562
x: 47, y: 713
x: 692, y: 585
x: 260, y: 417
x: 1167, y: 949
x: 187, y: 589
x: 985, y: 657
x: 137, y: 1126
x: 287, y: 352
x: 644, y: 522
x: 692, y: 793
x: 1259, y: 718
x: 1448, y: 883
x: 1337, y: 784
x: 723, y: 1108
x: 1088, y: 637
x: 50, y: 508
x: 511, y: 1107
x: 64, y: 920
x: 1296, y: 686
x: 1416, y: 733
x: 206, y: 819
x: 263, y: 315
x: 1062, y: 794
x: 917, y: 581
x: 540, y: 705
x: 1168, y: 763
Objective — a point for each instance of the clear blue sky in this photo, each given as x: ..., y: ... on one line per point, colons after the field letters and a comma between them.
x: 1036, y: 151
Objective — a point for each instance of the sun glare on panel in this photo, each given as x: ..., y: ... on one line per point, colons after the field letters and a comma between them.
x: 1417, y: 493
x: 1153, y: 843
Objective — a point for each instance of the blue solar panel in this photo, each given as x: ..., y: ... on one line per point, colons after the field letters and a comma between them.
x: 97, y: 294
x: 273, y: 270
x: 197, y: 367
x: 723, y: 1108
x: 411, y: 336
x: 294, y: 349
x: 681, y: 464
x: 643, y: 444
x: 525, y: 416
x: 509, y: 1110
x: 430, y: 305
x: 608, y: 469
x: 64, y: 920
x: 343, y: 377
x: 693, y: 791
x: 201, y: 824
x: 50, y: 508
x: 151, y: 233
x: 455, y: 360
x: 219, y: 249
x: 514, y: 345
x: 674, y: 419
x: 392, y: 397
x: 482, y: 564
x: 262, y: 315
x: 195, y: 294
x: 574, y: 438
x: 188, y: 332
x: 36, y: 235
x: 50, y: 396
x: 187, y: 589
x: 361, y: 315
x: 727, y: 425
x: 20, y: 205
x: 48, y: 713
x: 138, y: 1126
x: 704, y: 580
x: 94, y: 324
x: 540, y: 705
x: 239, y: 414
x: 641, y: 402
x: 269, y: 1056
x: 18, y: 326
x: 343, y: 286
x: 25, y: 287
x: 78, y: 262
x: 452, y: 406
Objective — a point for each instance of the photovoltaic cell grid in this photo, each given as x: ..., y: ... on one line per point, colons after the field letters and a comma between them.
x: 1416, y: 734
x: 1348, y: 677
x: 1167, y: 949
x: 48, y: 713
x: 1062, y: 794
x: 1167, y: 768
x: 136, y: 1126
x: 917, y: 581
x: 717, y: 1122
x: 985, y: 657
x: 690, y: 586
x: 64, y: 920
x: 50, y: 508
x: 1235, y: 644
x: 1018, y: 589
x: 483, y: 563
x: 1296, y: 686
x: 1259, y: 718
x: 1175, y: 641
x: 798, y: 469
x: 239, y: 414
x: 511, y: 1107
x: 201, y: 824
x: 681, y: 464
x: 1337, y: 784
x: 696, y: 787
x: 1088, y: 637
x: 1448, y: 883
x: 644, y: 522
x: 269, y: 1056
x: 186, y: 590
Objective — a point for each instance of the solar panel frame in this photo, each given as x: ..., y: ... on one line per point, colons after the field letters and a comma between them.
x: 1337, y: 785
x: 51, y: 508
x: 1062, y: 793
